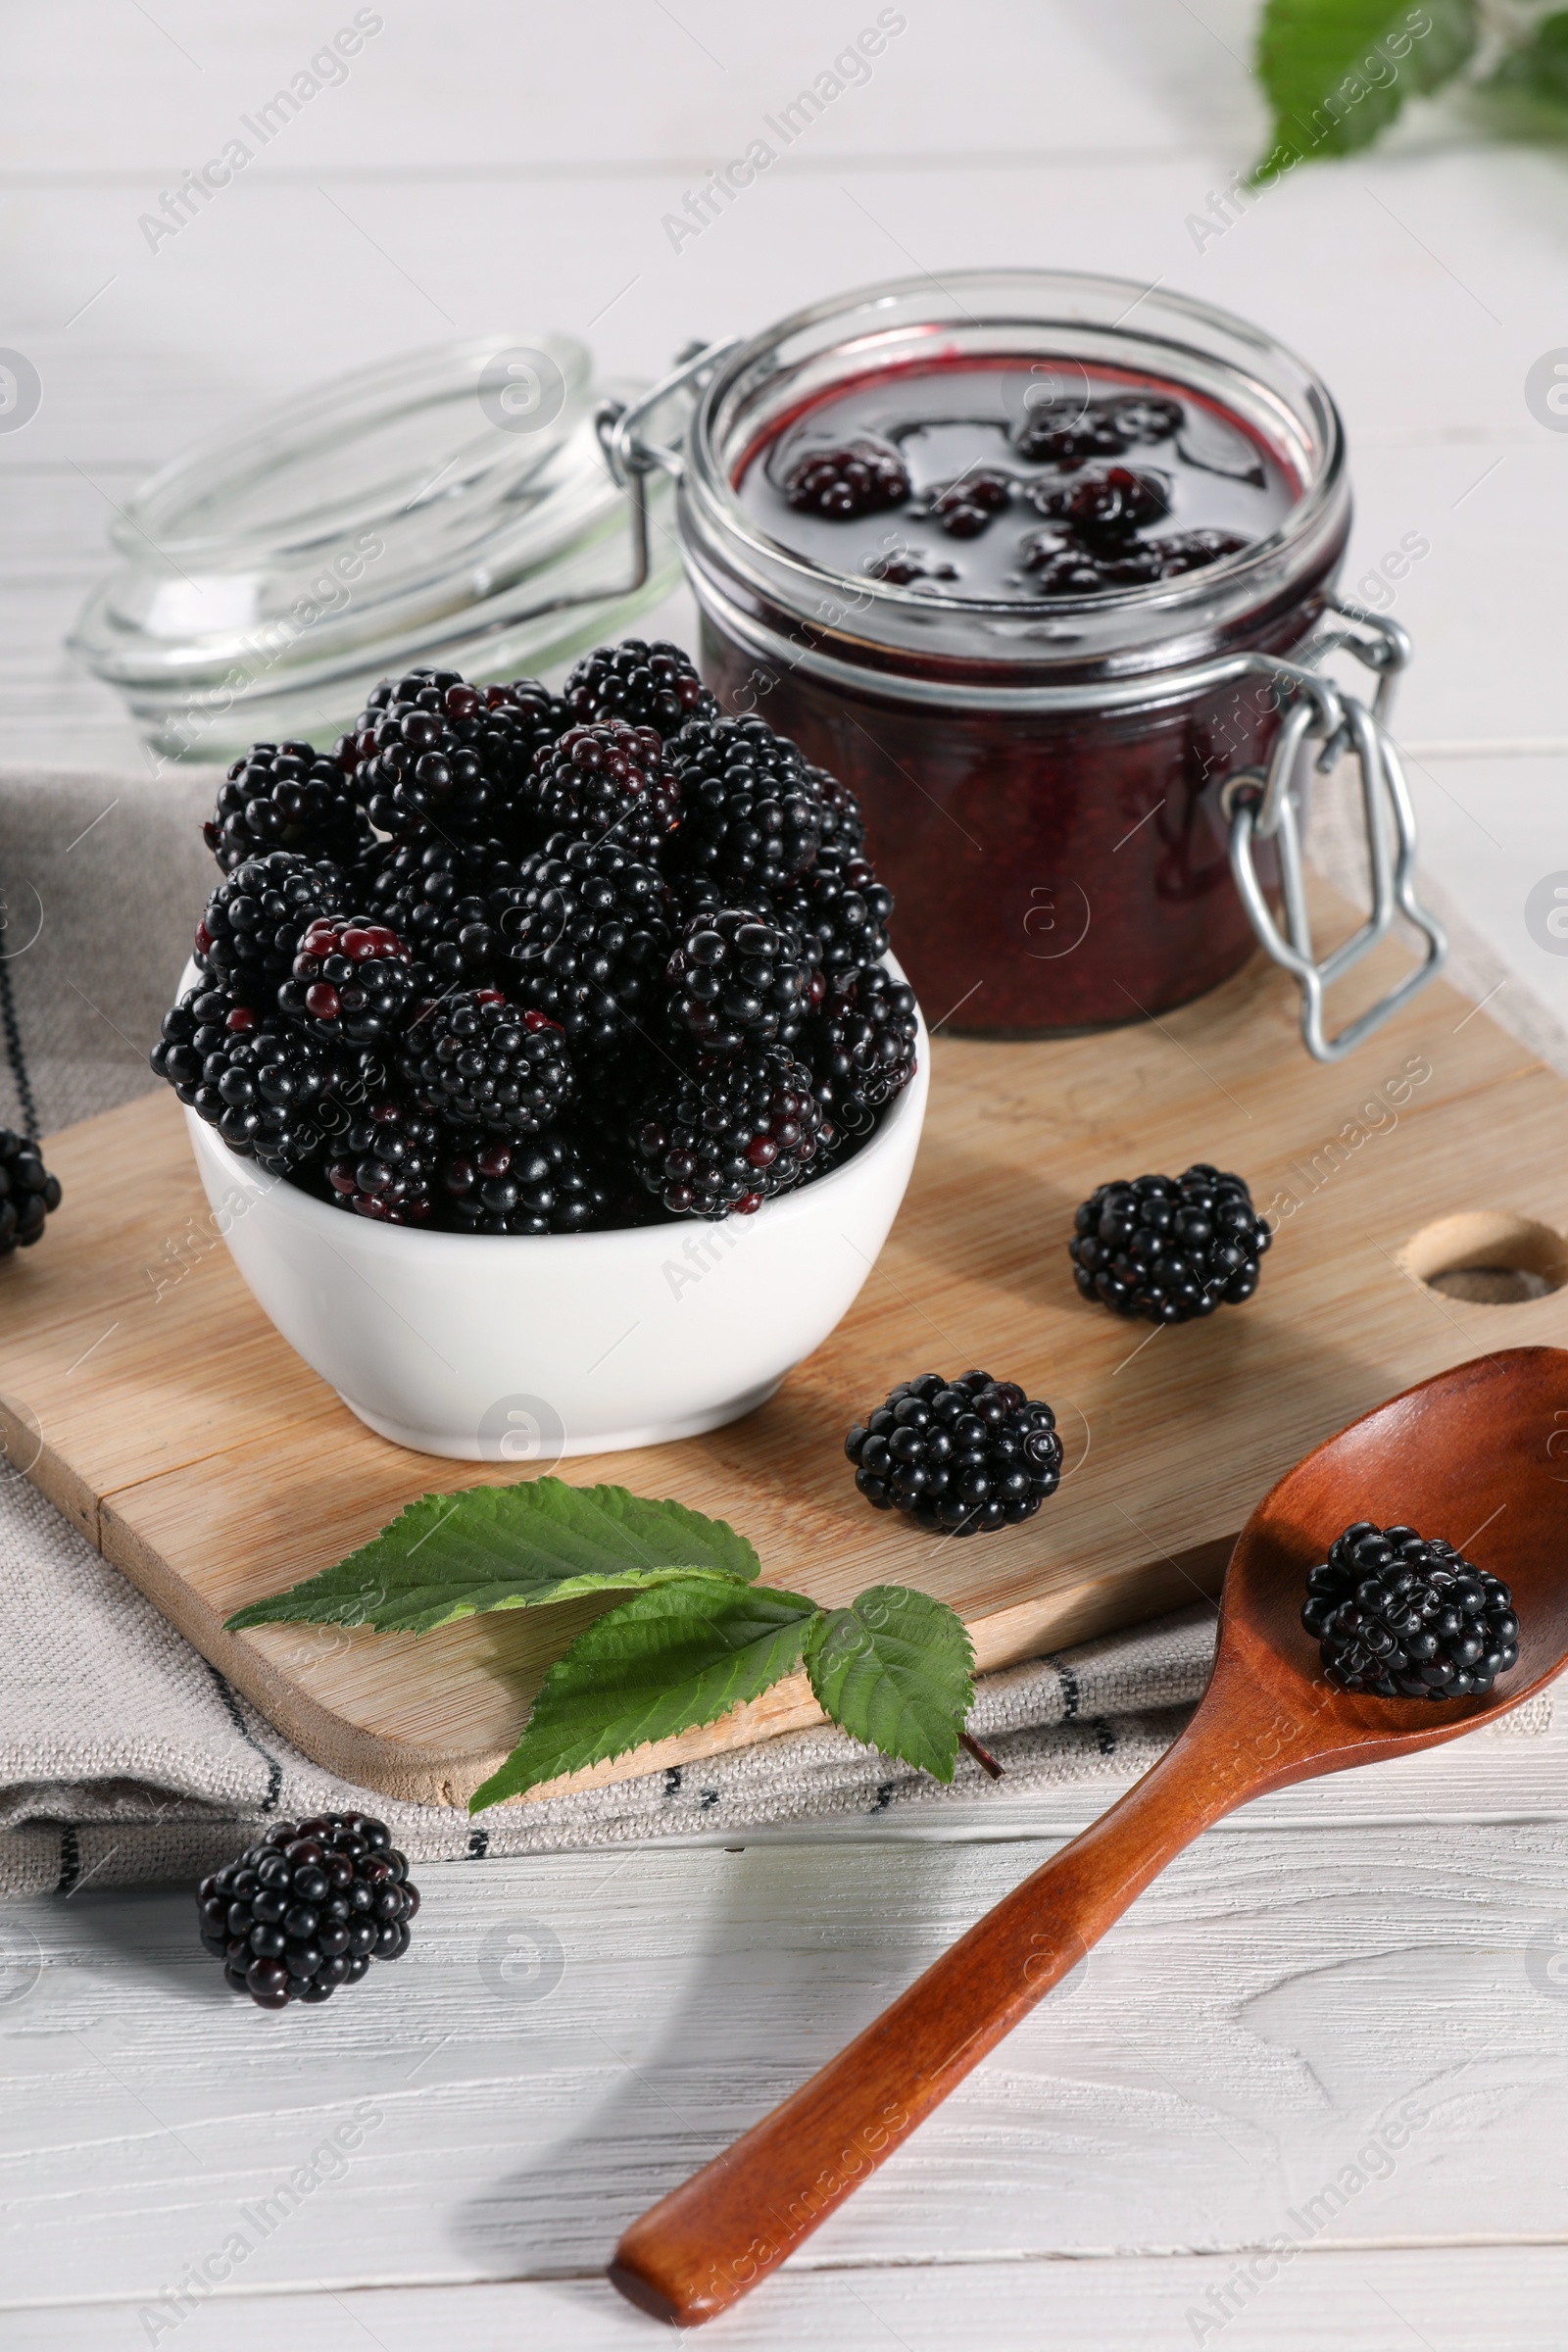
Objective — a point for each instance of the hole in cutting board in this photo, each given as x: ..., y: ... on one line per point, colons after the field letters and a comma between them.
x: 1487, y: 1258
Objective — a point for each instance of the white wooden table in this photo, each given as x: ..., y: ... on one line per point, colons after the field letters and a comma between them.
x: 1337, y: 1957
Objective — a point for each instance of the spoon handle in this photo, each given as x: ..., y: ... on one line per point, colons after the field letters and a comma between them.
x: 705, y: 2244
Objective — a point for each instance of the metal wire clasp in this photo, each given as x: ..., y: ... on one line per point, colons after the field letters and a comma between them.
x: 1264, y: 804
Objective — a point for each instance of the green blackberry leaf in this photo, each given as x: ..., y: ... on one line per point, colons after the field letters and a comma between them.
x: 1338, y: 71
x: 508, y: 1547
x: 682, y: 1653
x: 1533, y: 80
x: 895, y: 1670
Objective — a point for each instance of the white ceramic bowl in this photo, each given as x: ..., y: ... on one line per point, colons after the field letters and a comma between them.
x: 492, y: 1348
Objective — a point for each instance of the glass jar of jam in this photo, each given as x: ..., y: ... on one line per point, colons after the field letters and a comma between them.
x: 1039, y: 563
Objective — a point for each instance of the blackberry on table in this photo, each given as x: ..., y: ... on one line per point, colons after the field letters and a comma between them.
x: 250, y: 934
x: 966, y: 507
x: 384, y: 1165
x: 540, y: 1185
x: 750, y: 813
x: 582, y: 937
x: 1170, y: 1248
x: 860, y: 478
x: 737, y: 980
x: 645, y: 685
x: 287, y: 796
x: 961, y: 1456
x: 721, y: 1141
x: 608, y: 782
x: 1106, y: 501
x: 1400, y: 1615
x: 861, y: 1047
x: 475, y: 1060
x: 28, y: 1192
x: 308, y: 1908
x: 349, y: 979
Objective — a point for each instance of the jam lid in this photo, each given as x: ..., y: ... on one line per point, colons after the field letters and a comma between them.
x: 452, y: 504
x: 925, y: 642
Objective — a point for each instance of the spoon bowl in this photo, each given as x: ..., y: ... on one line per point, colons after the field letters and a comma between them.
x: 1473, y: 1456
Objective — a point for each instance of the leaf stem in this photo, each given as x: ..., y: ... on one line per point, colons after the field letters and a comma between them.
x: 983, y: 1756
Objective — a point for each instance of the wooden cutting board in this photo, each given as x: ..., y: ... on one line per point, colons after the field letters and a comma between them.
x: 146, y: 1394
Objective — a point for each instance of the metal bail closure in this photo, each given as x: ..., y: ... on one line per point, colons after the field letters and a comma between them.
x: 1264, y: 806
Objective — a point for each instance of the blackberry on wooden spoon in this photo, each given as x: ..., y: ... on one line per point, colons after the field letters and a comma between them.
x: 1400, y: 1615
x: 308, y: 1908
x: 961, y: 1456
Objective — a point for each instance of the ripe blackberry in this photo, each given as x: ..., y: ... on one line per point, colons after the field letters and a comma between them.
x: 287, y: 796
x: 841, y: 910
x: 443, y: 753
x: 385, y: 1165
x: 738, y: 981
x: 436, y: 896
x: 1064, y: 568
x: 1170, y: 1248
x: 308, y: 1908
x: 582, y: 937
x: 273, y: 1094
x: 1404, y: 1616
x: 750, y: 815
x: 645, y: 685
x: 541, y: 1185
x: 1105, y: 502
x: 725, y: 1139
x: 608, y: 782
x: 860, y: 478
x: 861, y: 1047
x: 28, y: 1192
x: 250, y: 934
x: 841, y: 819
x: 351, y: 979
x: 965, y: 507
x: 961, y: 1456
x: 474, y: 1060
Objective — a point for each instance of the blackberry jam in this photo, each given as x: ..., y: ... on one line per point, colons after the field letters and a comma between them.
x: 1031, y: 561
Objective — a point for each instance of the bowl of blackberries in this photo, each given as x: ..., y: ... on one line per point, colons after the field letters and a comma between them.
x: 544, y: 1057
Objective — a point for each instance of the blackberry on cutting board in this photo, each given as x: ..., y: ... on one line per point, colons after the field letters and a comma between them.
x: 250, y: 933
x: 490, y: 1184
x: 860, y: 478
x: 737, y: 979
x: 861, y: 1047
x: 961, y: 1456
x: 474, y: 1060
x: 609, y: 783
x: 750, y: 813
x: 28, y: 1192
x: 308, y: 1908
x: 287, y: 796
x: 582, y: 936
x: 645, y: 685
x: 1170, y: 1248
x: 1400, y: 1615
x: 725, y: 1139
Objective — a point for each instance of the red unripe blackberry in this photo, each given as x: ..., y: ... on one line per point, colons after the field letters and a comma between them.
x: 308, y: 1908
x: 962, y: 1457
x: 287, y: 796
x: 473, y: 1059
x: 1170, y: 1248
x: 860, y: 478
x: 645, y: 685
x: 28, y: 1192
x: 384, y: 1165
x: 1404, y: 1616
x: 351, y: 979
x: 609, y: 783
x: 737, y: 980
x: 725, y: 1139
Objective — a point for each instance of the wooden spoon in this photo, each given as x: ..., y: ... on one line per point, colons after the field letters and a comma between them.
x: 1471, y: 1456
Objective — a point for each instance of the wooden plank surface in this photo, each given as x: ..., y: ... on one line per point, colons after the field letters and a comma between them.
x: 173, y: 1425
